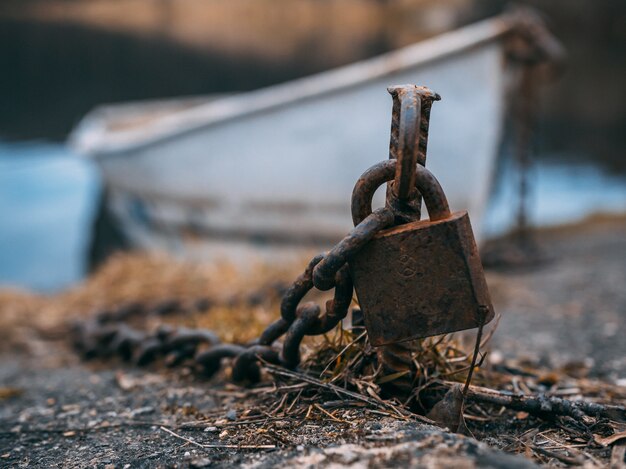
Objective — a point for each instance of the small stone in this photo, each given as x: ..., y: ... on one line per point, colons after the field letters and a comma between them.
x: 231, y: 415
x: 496, y: 357
x: 211, y: 429
x: 200, y: 462
x: 187, y: 454
x: 142, y: 411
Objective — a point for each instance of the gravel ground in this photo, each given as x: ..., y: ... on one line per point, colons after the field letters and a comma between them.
x: 58, y: 411
x: 72, y: 416
x: 572, y: 308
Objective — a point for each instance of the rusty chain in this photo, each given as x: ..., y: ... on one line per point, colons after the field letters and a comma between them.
x: 108, y: 334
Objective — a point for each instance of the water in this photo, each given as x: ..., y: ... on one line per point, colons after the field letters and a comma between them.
x: 47, y: 203
x: 48, y: 198
x: 563, y: 189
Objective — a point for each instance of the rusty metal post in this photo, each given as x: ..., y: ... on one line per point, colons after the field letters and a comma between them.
x: 410, y: 119
x: 531, y: 48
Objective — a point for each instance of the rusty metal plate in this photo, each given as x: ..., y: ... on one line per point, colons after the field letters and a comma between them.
x: 421, y: 279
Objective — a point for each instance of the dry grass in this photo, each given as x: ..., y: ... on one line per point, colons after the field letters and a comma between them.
x: 151, y: 279
x: 340, y: 371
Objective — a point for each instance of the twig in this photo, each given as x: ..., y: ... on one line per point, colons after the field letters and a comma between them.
x: 492, y: 330
x: 572, y: 461
x: 180, y: 437
x: 338, y: 390
x: 483, y: 314
x: 334, y: 359
x: 465, y: 368
x: 201, y: 445
x: 275, y: 389
x: 204, y: 424
x: 331, y: 416
x: 295, y: 399
x: 544, y: 405
x: 278, y: 406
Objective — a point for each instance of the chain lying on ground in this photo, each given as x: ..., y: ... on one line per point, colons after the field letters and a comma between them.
x: 108, y: 334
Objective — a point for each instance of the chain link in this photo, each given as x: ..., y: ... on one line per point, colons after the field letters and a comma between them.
x: 108, y: 334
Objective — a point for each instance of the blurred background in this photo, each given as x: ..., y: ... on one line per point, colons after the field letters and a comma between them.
x: 59, y: 59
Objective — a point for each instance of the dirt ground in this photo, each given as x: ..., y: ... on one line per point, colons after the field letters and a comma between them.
x: 572, y: 308
x: 567, y: 314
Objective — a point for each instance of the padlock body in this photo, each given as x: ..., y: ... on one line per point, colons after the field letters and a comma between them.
x: 421, y: 279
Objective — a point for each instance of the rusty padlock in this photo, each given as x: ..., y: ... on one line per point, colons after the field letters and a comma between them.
x: 422, y: 278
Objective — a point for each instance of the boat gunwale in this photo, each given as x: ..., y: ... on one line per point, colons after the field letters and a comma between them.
x: 92, y: 139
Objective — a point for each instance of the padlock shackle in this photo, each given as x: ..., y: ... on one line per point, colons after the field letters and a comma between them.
x: 409, y: 134
x: 377, y: 175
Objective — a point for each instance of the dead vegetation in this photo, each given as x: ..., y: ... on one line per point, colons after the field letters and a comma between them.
x: 556, y: 416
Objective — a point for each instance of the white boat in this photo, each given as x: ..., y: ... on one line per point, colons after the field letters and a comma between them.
x: 276, y: 166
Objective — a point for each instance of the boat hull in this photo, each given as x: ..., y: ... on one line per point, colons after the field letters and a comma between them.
x: 283, y: 173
